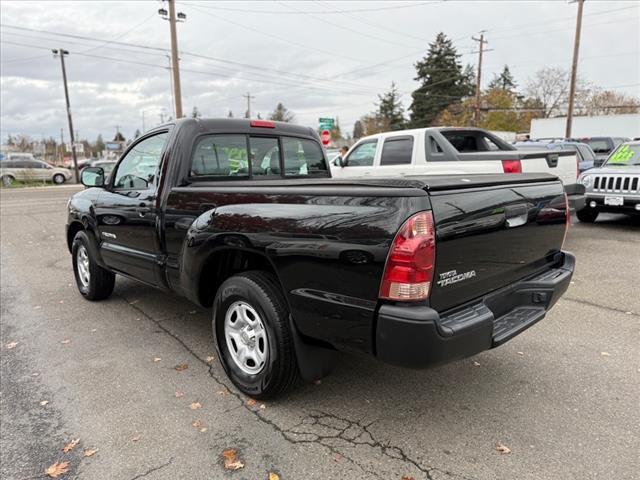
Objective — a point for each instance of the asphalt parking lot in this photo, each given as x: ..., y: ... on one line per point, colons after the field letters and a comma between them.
x: 563, y: 396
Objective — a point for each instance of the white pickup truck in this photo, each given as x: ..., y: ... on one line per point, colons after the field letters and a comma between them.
x: 453, y: 150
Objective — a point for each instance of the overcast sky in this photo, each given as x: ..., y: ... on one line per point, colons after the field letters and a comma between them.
x: 319, y: 58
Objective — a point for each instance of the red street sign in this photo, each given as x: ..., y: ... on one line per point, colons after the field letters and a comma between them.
x: 325, y: 137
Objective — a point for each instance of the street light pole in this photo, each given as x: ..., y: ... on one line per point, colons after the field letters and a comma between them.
x: 574, y: 70
x: 62, y: 52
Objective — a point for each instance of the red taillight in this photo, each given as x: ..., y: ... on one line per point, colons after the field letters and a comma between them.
x: 262, y: 124
x: 567, y: 221
x: 409, y: 270
x: 511, y: 166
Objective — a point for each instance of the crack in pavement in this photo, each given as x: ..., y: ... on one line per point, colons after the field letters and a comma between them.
x: 603, y: 307
x: 313, y: 419
x: 153, y: 469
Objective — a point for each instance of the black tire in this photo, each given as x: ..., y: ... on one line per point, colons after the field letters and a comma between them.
x: 7, y: 180
x: 587, y: 215
x: 261, y: 291
x: 59, y: 179
x: 100, y: 282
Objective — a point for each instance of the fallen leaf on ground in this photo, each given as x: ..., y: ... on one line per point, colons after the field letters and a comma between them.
x: 57, y: 469
x: 11, y: 345
x: 195, y: 406
x: 231, y: 461
x: 71, y: 445
x: 274, y: 476
x: 210, y: 359
x: 407, y: 477
x: 199, y: 425
x: 179, y: 394
x: 251, y: 402
x: 502, y: 448
x: 605, y: 354
x: 43, y: 403
x: 181, y: 366
x: 65, y: 341
x: 89, y: 452
x: 136, y: 438
x: 156, y: 359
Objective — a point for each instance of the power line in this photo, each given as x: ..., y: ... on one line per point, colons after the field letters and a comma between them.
x: 323, y: 12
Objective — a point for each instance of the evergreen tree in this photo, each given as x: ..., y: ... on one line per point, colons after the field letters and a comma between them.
x: 99, y: 145
x: 281, y: 114
x: 442, y: 82
x: 503, y: 81
x: 391, y: 110
x: 358, y: 130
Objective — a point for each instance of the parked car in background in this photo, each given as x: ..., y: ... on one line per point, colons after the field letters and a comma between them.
x: 603, y: 146
x: 615, y: 187
x: 586, y: 157
x: 32, y: 171
x: 454, y: 150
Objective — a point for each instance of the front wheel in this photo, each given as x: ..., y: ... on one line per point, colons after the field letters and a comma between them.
x: 253, y: 336
x: 93, y: 281
x: 587, y: 215
x: 7, y: 180
x: 59, y: 179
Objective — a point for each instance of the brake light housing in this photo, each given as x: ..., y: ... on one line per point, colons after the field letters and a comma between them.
x: 408, y: 272
x: 262, y: 124
x: 511, y: 166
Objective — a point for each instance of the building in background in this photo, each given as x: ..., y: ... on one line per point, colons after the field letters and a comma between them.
x: 622, y: 125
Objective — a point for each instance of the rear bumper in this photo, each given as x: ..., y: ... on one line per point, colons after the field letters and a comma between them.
x: 417, y: 336
x: 576, y: 196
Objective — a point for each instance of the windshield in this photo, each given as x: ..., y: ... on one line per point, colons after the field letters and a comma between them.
x: 624, y: 155
x: 598, y: 146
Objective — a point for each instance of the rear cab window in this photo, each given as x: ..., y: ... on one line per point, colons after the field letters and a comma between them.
x: 474, y: 141
x: 242, y: 156
x: 397, y: 151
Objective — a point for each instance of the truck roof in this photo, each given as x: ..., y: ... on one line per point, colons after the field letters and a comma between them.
x: 244, y: 125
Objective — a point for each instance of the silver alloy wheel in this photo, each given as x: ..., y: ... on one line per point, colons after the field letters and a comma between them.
x: 246, y: 337
x: 82, y: 266
x: 58, y: 178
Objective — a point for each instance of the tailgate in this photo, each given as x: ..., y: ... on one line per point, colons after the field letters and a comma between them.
x: 490, y: 236
x: 562, y: 163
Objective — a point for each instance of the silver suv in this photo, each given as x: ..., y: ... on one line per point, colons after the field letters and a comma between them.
x: 30, y: 171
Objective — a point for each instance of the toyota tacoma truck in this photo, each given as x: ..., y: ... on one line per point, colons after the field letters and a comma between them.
x: 243, y: 217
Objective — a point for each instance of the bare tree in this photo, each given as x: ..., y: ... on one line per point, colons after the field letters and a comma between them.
x: 596, y: 101
x: 550, y: 87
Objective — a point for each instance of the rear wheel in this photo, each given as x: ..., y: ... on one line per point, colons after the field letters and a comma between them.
x: 253, y: 336
x: 93, y: 281
x: 58, y: 179
x: 587, y: 215
x: 7, y: 180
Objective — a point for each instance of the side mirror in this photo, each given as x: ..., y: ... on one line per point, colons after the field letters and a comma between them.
x: 92, y: 177
x: 339, y: 162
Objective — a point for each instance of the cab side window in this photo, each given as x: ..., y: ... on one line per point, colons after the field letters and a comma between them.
x: 362, y: 155
x: 139, y: 168
x: 397, y: 151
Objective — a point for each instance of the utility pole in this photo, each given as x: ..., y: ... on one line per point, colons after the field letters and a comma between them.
x: 574, y: 70
x: 62, y: 52
x: 248, y: 97
x: 482, y: 41
x: 175, y: 69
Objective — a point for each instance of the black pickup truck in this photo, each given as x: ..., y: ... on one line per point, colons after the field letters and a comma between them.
x: 242, y: 216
